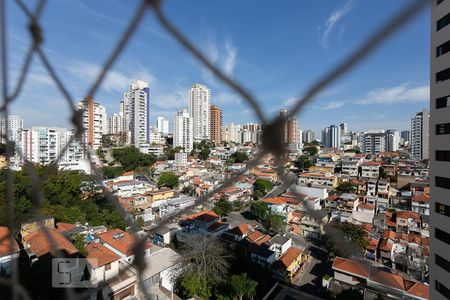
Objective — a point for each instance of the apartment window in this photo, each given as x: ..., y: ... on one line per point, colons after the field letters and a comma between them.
x: 442, y: 289
x: 443, y: 102
x: 442, y: 262
x: 443, y: 182
x: 107, y: 267
x: 442, y: 209
x: 444, y: 21
x: 442, y: 155
x: 443, y: 128
x: 442, y: 235
x: 442, y: 49
x: 443, y: 75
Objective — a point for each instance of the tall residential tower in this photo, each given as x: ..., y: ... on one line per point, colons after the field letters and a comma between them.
x: 439, y: 262
x: 199, y: 110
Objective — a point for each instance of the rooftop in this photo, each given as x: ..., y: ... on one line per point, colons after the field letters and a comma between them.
x: 99, y: 255
x: 41, y: 245
x: 121, y: 240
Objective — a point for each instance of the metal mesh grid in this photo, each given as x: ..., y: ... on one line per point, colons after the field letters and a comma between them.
x: 271, y: 143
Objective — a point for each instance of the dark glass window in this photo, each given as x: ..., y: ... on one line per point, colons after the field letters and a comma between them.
x: 444, y: 21
x: 442, y: 289
x: 443, y: 102
x: 443, y: 182
x: 442, y: 155
x: 442, y: 49
x: 442, y: 209
x: 442, y: 262
x: 443, y: 75
x: 442, y: 235
x: 443, y: 128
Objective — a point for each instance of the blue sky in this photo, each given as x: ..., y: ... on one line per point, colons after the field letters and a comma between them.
x: 275, y: 49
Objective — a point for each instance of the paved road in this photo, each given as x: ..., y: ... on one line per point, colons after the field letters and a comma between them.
x: 278, y: 190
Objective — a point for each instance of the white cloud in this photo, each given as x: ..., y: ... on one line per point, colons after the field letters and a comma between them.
x: 223, y: 55
x: 398, y: 94
x: 402, y: 93
x: 333, y: 105
x: 230, y: 58
x: 333, y: 20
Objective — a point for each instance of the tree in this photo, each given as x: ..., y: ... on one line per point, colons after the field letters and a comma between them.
x: 223, y: 208
x: 383, y: 173
x: 203, y: 266
x: 204, y: 153
x: 78, y: 241
x: 303, y: 162
x: 346, y: 187
x: 263, y: 186
x: 131, y: 158
x: 239, y: 157
x: 276, y: 223
x: 168, y: 179
x: 311, y: 150
x: 260, y: 210
x: 242, y: 285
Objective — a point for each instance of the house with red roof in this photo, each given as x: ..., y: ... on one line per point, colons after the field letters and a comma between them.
x: 408, y: 221
x: 421, y: 204
x: 103, y: 263
x: 370, y: 169
x: 377, y: 281
x: 9, y: 250
x: 122, y: 243
x: 278, y: 205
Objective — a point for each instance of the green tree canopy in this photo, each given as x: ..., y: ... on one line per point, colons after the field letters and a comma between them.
x: 239, y: 157
x: 303, y: 162
x: 346, y: 187
x: 131, y: 158
x: 276, y: 223
x: 223, y: 208
x: 243, y: 285
x: 261, y: 187
x: 168, y: 179
x: 311, y: 150
x: 259, y: 209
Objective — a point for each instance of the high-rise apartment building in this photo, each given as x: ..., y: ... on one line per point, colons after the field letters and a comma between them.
x: 308, y: 136
x: 373, y: 142
x: 95, y: 122
x: 392, y: 140
x: 283, y: 113
x: 199, y: 110
x: 162, y: 126
x: 216, y: 124
x: 183, y: 131
x: 135, y: 108
x: 15, y: 125
x: 294, y: 137
x: 405, y: 135
x: 343, y: 127
x: 331, y: 136
x: 440, y: 151
x: 231, y: 133
x: 420, y: 135
x: 115, y: 124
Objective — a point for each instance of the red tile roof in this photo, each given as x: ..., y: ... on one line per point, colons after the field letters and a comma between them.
x: 288, y: 257
x: 371, y: 163
x: 386, y: 245
x: 389, y: 279
x: 403, y: 214
x: 421, y: 198
x: 241, y: 229
x: 5, y: 243
x: 366, y: 206
x: 61, y: 227
x: 388, y: 234
x: 121, y: 240
x: 257, y: 237
x: 275, y: 201
x: 420, y: 290
x: 204, y: 215
x: 351, y: 266
x: 99, y: 255
x: 40, y: 244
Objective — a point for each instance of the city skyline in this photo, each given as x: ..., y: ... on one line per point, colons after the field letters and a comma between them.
x: 403, y: 90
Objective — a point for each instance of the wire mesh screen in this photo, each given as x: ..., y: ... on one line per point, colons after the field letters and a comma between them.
x: 272, y: 128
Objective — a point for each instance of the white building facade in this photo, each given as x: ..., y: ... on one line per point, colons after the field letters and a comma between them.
x: 199, y: 111
x: 135, y: 107
x: 183, y: 131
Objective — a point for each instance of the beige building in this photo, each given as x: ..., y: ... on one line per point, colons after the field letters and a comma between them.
x: 216, y: 124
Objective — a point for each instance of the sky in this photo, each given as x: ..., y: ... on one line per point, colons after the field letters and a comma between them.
x: 275, y: 49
